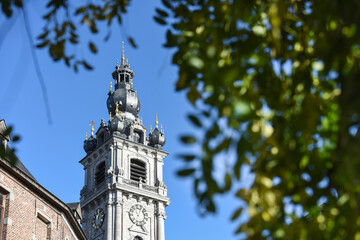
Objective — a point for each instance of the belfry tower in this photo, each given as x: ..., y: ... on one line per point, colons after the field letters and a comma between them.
x: 124, y: 196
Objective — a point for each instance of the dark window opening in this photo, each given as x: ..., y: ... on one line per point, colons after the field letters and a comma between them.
x: 127, y: 78
x: 100, y: 173
x: 121, y: 77
x: 137, y: 238
x: 138, y: 170
x: 138, y: 136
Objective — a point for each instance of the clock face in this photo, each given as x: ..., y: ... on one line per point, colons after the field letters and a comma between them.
x: 98, y: 218
x: 138, y: 214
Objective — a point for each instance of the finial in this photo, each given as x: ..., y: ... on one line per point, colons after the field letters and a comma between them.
x: 117, y: 108
x: 92, y: 128
x: 161, y: 129
x: 141, y: 121
x: 110, y: 116
x: 123, y: 117
x: 85, y: 135
x: 156, y: 121
x: 122, y: 54
x: 110, y: 86
x: 150, y: 128
x: 117, y: 62
x: 131, y: 82
x: 127, y: 61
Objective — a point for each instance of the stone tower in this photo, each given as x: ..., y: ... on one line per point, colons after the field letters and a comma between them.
x: 124, y: 196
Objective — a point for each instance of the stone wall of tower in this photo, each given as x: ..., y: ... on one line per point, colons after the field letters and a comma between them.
x: 118, y: 193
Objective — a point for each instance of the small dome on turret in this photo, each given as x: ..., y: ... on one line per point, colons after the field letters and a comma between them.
x: 117, y: 123
x: 157, y: 137
x: 91, y: 142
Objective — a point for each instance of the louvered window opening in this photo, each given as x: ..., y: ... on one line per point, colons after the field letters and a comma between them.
x: 100, y: 173
x: 138, y: 170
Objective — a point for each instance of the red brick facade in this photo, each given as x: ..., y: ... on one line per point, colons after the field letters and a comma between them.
x: 32, y: 212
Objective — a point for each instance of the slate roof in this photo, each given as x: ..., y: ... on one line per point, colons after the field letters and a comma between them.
x: 21, y: 166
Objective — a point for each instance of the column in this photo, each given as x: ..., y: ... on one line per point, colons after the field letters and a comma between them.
x: 160, y: 222
x: 109, y: 217
x: 118, y: 215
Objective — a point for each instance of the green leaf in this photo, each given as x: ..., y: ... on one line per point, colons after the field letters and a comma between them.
x: 44, y: 35
x: 195, y: 120
x: 185, y: 172
x: 43, y: 44
x: 167, y: 3
x: 227, y: 182
x: 80, y: 10
x: 237, y: 213
x: 92, y: 47
x: 223, y: 145
x: 187, y: 158
x: 132, y: 42
x: 193, y: 94
x: 86, y: 65
x: 160, y: 20
x: 188, y: 139
x: 162, y: 12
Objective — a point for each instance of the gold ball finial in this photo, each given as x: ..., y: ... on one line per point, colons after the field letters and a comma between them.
x: 156, y: 121
x: 117, y: 62
x: 85, y: 135
x: 92, y: 128
x: 131, y: 82
x: 110, y: 86
x: 150, y: 128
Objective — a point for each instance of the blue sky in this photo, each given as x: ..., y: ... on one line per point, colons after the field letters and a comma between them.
x: 51, y: 152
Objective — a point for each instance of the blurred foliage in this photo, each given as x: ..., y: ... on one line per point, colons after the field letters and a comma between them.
x: 63, y: 22
x: 6, y: 152
x: 274, y: 85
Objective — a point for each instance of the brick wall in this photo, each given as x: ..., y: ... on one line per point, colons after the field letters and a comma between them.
x: 29, y: 216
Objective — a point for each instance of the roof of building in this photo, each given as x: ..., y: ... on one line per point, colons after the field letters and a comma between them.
x: 20, y: 165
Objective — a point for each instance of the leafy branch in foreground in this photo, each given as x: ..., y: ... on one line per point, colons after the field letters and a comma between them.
x: 274, y: 85
x: 62, y: 24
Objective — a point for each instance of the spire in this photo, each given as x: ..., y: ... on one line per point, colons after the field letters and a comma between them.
x: 92, y: 128
x: 122, y: 54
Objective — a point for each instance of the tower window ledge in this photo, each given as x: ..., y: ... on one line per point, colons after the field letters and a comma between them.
x: 140, y: 185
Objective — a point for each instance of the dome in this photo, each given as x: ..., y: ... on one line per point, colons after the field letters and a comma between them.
x: 157, y: 138
x: 127, y: 99
x: 90, y: 144
x: 117, y: 125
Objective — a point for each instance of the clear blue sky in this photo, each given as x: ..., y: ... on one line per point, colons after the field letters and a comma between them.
x: 51, y: 152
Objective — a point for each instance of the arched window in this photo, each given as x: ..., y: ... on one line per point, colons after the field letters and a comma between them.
x: 137, y: 238
x: 100, y: 173
x: 138, y: 170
